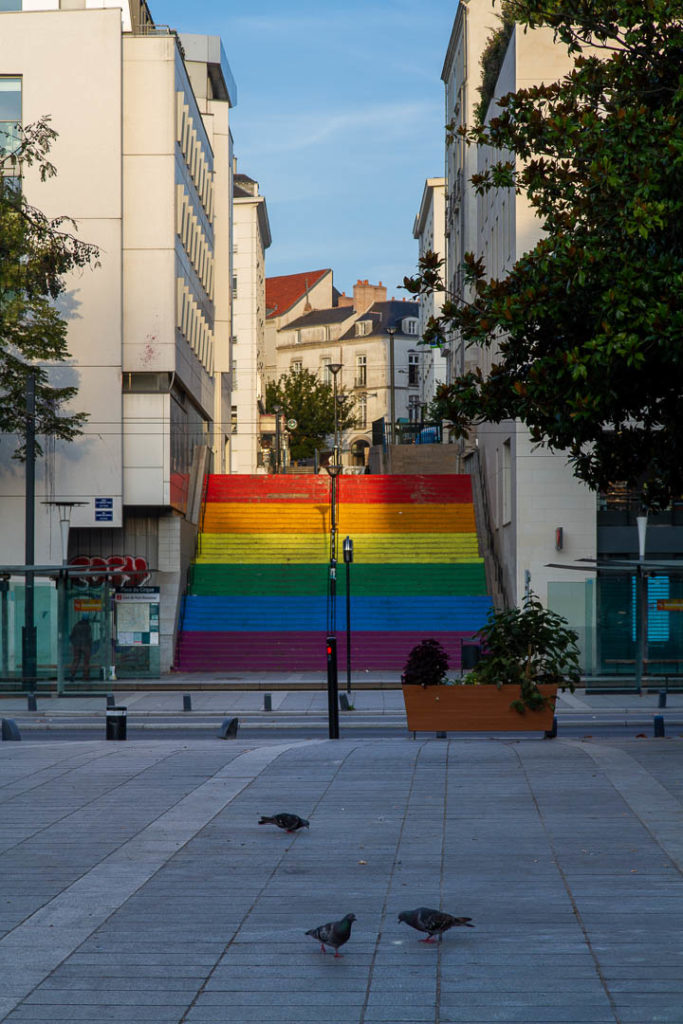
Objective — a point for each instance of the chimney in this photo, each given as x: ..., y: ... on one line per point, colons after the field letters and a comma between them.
x: 365, y: 294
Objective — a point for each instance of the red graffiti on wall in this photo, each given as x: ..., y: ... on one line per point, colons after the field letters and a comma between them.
x: 134, y: 571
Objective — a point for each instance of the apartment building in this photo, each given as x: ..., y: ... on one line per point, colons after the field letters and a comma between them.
x: 428, y: 230
x: 144, y: 162
x: 251, y: 238
x: 537, y: 512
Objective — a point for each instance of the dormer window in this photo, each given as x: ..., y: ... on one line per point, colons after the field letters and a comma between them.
x: 409, y: 325
x: 363, y: 328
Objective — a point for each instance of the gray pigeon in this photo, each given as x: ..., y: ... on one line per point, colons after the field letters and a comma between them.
x: 334, y: 934
x: 288, y: 822
x: 435, y: 922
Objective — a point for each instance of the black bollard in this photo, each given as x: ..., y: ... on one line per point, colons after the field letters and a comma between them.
x: 228, y: 729
x: 659, y: 725
x: 267, y: 702
x: 187, y: 702
x: 10, y: 729
x: 343, y: 702
x: 551, y: 734
x: 661, y: 703
x: 31, y: 698
x: 116, y: 723
x: 111, y: 700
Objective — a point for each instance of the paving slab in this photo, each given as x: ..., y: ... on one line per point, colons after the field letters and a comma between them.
x: 137, y: 886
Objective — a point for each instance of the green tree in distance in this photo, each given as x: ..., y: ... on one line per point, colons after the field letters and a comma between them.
x: 587, y: 327
x: 305, y: 398
x: 35, y: 253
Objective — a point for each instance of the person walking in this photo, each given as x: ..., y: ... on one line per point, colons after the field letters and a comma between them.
x: 81, y: 646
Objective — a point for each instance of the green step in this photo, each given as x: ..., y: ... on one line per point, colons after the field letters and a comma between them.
x: 460, y: 579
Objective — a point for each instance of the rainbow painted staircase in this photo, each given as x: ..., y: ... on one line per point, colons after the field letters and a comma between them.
x: 257, y: 598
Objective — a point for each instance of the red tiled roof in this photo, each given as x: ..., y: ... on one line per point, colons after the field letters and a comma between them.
x: 283, y: 292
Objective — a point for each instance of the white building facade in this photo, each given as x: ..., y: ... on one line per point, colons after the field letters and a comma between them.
x: 144, y: 166
x: 530, y: 492
x: 251, y: 238
x: 428, y: 230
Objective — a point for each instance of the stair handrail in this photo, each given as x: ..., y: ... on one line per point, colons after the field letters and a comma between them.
x: 492, y: 563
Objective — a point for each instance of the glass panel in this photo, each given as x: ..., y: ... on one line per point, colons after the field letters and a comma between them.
x: 10, y: 5
x: 10, y: 96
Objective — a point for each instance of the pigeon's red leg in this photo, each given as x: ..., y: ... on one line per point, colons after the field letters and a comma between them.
x: 337, y: 953
x: 322, y: 947
x: 428, y: 939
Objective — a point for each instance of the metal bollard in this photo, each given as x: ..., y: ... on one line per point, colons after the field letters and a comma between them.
x: 116, y: 723
x: 10, y: 729
x: 228, y: 729
x: 661, y: 703
x: 187, y: 702
x: 343, y: 702
x: 31, y: 698
x: 111, y: 700
x: 550, y: 734
x: 267, y: 702
x: 659, y: 725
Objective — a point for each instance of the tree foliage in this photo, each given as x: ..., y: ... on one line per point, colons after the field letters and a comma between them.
x: 305, y: 398
x: 588, y: 326
x: 35, y: 253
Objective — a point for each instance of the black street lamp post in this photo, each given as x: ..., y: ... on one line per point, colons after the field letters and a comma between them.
x: 348, y: 558
x: 333, y: 469
x: 29, y: 662
x: 391, y: 331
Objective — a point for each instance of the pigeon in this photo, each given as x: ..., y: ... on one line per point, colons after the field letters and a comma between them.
x: 334, y: 934
x: 435, y: 922
x: 288, y: 822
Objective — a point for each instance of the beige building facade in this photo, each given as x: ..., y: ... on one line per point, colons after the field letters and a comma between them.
x: 144, y: 166
x: 428, y: 230
x: 529, y: 491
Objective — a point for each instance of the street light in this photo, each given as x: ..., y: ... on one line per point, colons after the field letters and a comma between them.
x: 333, y: 470
x: 391, y: 331
x: 277, y: 409
x: 334, y: 369
x: 348, y: 558
x: 64, y: 508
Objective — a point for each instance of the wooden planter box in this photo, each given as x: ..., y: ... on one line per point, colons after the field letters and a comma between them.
x: 474, y: 709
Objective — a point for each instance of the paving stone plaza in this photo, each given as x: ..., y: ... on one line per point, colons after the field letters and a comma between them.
x: 138, y: 887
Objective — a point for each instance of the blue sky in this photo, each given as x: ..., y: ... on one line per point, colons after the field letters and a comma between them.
x: 340, y: 118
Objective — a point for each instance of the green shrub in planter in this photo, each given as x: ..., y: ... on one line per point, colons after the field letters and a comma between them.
x: 527, y: 646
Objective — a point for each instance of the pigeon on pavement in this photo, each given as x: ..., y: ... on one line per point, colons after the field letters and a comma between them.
x: 288, y: 822
x: 334, y: 934
x: 435, y: 922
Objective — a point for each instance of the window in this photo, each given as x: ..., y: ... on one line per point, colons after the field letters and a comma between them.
x: 325, y: 372
x: 233, y: 419
x: 363, y: 411
x: 234, y: 287
x: 361, y: 371
x: 10, y: 106
x: 362, y: 328
x: 409, y: 325
x: 413, y: 366
x: 234, y: 375
x: 414, y: 408
x: 10, y: 5
x: 296, y: 366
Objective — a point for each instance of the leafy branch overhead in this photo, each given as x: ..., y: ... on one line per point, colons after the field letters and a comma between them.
x: 36, y: 252
x: 305, y: 398
x: 586, y: 329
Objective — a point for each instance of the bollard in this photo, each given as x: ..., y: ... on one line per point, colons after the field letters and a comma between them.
x: 187, y: 702
x: 31, y: 698
x: 442, y: 736
x: 116, y: 723
x: 343, y: 702
x: 550, y: 734
x: 661, y: 703
x: 267, y: 702
x: 228, y: 729
x: 111, y: 700
x: 10, y: 729
x: 659, y: 725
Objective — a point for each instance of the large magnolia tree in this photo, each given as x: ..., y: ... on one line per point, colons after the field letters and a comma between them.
x: 588, y: 325
x: 36, y: 252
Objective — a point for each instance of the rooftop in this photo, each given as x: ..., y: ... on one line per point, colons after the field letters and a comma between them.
x: 283, y: 292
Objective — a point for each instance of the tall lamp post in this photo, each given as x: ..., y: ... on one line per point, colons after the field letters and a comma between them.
x: 391, y: 331
x: 64, y: 508
x: 348, y: 558
x: 29, y: 665
x: 277, y: 409
x: 641, y: 603
x: 333, y: 469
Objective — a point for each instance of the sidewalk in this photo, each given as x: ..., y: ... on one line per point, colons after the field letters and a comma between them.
x: 136, y: 885
x: 302, y: 702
